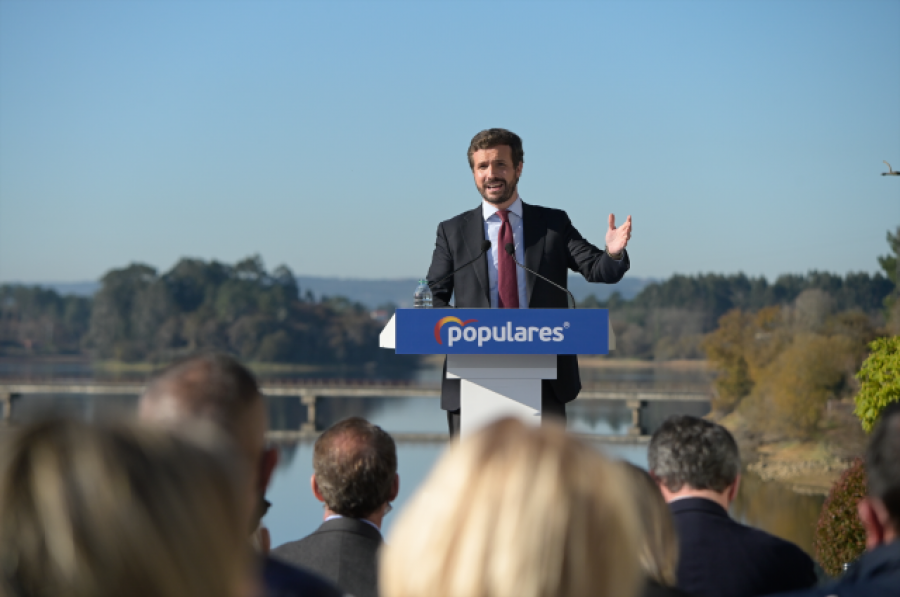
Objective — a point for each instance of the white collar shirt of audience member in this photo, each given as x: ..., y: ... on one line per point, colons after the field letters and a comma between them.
x: 368, y: 522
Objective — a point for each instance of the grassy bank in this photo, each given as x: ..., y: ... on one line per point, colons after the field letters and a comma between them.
x: 808, y: 465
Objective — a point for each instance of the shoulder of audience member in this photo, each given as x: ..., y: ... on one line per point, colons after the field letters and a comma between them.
x: 284, y: 580
x: 285, y: 550
x: 654, y: 589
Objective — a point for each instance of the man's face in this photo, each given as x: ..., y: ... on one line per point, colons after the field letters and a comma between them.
x: 495, y: 176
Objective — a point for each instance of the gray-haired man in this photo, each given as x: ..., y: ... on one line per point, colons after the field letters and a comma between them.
x: 697, y: 466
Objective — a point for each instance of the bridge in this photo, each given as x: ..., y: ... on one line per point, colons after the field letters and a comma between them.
x: 309, y: 392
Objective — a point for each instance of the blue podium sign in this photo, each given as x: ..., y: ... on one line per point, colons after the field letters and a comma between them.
x: 502, y: 331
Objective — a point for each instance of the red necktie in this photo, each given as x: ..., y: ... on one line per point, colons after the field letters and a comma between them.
x: 507, y: 287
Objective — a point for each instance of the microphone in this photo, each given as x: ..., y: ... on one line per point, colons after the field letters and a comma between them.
x: 511, y: 251
x: 485, y: 245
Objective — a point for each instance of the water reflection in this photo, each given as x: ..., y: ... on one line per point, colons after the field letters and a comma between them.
x: 777, y: 509
x: 296, y: 513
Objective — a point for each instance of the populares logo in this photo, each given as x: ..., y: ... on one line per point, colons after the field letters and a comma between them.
x: 503, y: 333
x: 445, y: 320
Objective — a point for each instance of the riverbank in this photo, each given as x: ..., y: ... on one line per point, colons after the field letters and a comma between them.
x: 809, y: 466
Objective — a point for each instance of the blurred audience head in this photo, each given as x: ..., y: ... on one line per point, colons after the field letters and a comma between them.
x: 216, y: 388
x: 516, y: 511
x: 119, y: 510
x: 880, y: 510
x: 689, y: 456
x: 355, y: 469
x: 658, y: 542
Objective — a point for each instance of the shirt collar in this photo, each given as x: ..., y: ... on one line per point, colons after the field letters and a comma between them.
x: 489, y: 209
x: 368, y: 522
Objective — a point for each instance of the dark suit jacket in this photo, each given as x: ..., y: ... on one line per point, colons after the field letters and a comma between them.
x: 343, y: 550
x: 552, y: 247
x: 877, y: 572
x: 719, y: 557
x: 284, y: 580
x: 654, y: 589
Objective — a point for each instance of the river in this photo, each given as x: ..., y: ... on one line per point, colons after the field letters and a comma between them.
x: 295, y: 512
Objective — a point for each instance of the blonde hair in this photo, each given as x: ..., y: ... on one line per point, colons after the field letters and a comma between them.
x: 118, y: 510
x: 658, y: 551
x: 515, y: 511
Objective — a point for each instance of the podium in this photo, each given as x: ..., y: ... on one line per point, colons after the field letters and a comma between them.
x: 500, y: 356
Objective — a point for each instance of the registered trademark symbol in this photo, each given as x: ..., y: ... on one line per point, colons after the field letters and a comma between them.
x: 566, y: 325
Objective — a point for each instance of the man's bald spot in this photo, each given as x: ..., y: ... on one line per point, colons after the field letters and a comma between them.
x: 211, y: 387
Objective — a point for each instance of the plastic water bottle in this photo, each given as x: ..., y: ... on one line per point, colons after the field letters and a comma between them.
x: 422, y: 297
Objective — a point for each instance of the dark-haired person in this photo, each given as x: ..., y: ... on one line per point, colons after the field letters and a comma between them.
x: 876, y: 572
x: 545, y: 241
x: 355, y: 476
x: 697, y: 466
x: 217, y: 388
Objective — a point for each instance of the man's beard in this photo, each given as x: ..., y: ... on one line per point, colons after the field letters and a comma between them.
x: 509, y: 190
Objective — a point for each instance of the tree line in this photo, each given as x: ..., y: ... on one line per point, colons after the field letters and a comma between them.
x: 778, y: 366
x: 139, y: 314
x: 669, y: 319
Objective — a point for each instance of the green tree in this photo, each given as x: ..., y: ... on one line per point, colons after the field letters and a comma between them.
x: 879, y: 379
x: 112, y: 333
x: 889, y: 262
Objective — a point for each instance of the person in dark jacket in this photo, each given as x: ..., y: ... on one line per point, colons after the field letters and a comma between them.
x: 355, y: 476
x: 697, y: 466
x: 658, y: 543
x: 877, y: 572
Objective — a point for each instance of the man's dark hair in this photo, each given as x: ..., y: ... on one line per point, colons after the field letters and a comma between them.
x: 491, y: 138
x: 355, y: 464
x: 883, y: 461
x: 686, y: 450
x: 213, y: 386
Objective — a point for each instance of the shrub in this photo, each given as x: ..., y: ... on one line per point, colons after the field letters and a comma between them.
x: 879, y: 379
x: 840, y: 537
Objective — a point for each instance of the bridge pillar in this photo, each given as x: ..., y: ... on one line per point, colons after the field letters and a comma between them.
x: 635, y: 406
x: 6, y: 400
x: 309, y: 401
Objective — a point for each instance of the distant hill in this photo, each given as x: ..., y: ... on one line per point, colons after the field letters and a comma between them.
x: 373, y: 293
x: 64, y: 288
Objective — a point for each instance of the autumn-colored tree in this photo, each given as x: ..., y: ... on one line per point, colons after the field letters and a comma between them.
x: 806, y: 374
x: 840, y: 537
x: 726, y: 349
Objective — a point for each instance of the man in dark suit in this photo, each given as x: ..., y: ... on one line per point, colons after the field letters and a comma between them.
x: 216, y: 388
x: 543, y: 239
x: 876, y: 572
x: 697, y: 466
x: 355, y: 476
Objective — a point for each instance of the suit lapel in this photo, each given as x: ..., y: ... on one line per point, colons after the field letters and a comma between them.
x: 473, y: 236
x: 534, y: 231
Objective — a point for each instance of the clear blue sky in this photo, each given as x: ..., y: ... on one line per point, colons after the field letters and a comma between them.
x: 741, y: 136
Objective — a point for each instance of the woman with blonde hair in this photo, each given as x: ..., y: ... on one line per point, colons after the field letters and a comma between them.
x: 516, y: 511
x: 117, y: 510
x: 658, y: 545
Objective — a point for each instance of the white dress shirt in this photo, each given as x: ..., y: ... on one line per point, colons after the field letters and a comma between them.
x: 492, y: 224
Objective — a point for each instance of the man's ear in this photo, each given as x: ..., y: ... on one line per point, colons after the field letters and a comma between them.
x: 871, y: 518
x: 315, y: 488
x: 733, y: 489
x: 267, y: 467
x: 519, y: 169
x: 395, y: 488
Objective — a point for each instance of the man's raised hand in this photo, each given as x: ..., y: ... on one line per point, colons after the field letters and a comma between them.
x: 617, y: 238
